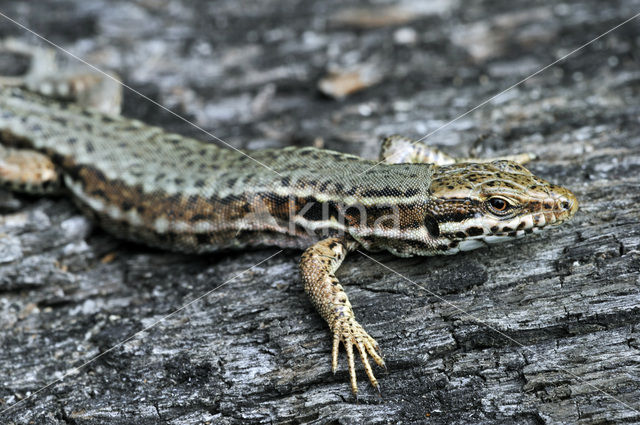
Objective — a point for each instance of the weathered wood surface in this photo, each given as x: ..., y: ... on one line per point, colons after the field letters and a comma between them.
x: 550, y: 329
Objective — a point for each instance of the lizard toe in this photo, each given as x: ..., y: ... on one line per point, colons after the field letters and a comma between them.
x: 351, y: 333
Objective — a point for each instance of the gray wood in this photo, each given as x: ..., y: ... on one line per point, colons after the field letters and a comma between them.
x: 543, y: 330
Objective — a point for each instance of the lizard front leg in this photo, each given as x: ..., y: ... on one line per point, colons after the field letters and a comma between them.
x: 400, y: 149
x: 317, y: 266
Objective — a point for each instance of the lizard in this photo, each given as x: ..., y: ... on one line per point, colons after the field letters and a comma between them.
x: 165, y: 190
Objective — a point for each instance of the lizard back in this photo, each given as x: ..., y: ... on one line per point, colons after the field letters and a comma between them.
x: 179, y: 193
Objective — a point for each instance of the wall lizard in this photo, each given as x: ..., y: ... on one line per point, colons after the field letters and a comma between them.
x: 146, y: 185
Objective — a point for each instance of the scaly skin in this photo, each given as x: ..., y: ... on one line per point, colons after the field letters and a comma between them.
x: 173, y: 192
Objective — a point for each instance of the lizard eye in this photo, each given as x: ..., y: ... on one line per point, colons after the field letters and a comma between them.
x: 498, y: 205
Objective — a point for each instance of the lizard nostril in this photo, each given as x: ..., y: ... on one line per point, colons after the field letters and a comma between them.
x: 565, y: 205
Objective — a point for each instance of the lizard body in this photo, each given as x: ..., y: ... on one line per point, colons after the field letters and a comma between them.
x: 178, y: 193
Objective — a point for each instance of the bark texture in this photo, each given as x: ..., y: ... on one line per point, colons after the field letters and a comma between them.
x: 543, y: 330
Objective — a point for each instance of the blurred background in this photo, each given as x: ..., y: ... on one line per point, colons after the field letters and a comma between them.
x: 264, y: 73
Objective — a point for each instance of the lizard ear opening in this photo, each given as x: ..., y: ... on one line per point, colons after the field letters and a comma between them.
x: 432, y: 225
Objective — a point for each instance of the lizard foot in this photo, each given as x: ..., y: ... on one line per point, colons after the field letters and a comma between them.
x: 348, y: 331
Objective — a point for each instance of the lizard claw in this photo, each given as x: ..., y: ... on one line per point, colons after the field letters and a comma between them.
x: 348, y: 331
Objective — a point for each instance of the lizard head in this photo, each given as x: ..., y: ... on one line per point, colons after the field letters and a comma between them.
x: 474, y: 204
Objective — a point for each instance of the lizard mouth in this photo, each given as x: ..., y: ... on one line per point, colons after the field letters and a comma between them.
x: 552, y: 208
x: 550, y: 211
x: 561, y: 206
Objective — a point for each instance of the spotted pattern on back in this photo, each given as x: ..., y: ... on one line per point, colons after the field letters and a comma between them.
x: 184, y: 194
